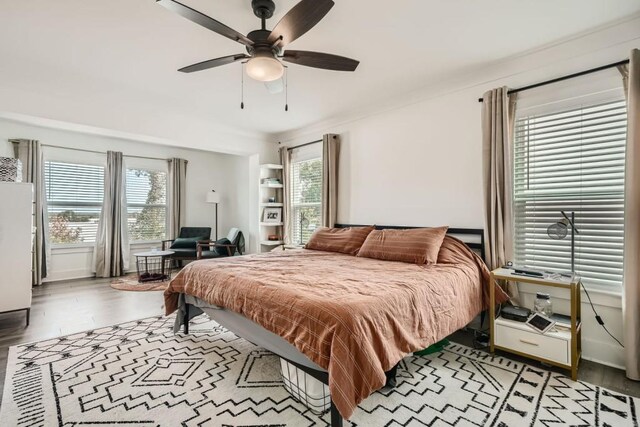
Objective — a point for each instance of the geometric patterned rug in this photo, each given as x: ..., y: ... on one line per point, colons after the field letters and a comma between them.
x: 140, y: 374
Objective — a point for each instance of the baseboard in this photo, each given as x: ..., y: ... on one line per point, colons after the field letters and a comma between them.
x: 74, y: 274
x: 61, y: 276
x: 604, y: 353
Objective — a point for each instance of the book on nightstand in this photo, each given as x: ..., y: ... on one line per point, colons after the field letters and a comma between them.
x: 562, y: 321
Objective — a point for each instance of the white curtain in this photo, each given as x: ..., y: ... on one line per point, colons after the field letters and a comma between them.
x: 631, y: 289
x: 330, y: 155
x: 177, y: 195
x: 498, y: 113
x: 112, y: 241
x: 285, y: 161
x: 29, y: 152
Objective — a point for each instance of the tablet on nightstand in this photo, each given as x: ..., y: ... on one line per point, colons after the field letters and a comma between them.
x: 540, y: 323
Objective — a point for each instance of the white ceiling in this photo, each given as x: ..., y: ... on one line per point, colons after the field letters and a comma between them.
x: 131, y: 49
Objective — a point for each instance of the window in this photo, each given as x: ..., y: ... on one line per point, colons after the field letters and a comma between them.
x: 146, y: 204
x: 306, y: 193
x: 572, y: 160
x: 74, y: 198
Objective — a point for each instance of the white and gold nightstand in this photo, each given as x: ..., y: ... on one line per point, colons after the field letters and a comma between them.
x: 562, y: 348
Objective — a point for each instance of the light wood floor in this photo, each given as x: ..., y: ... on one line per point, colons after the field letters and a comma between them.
x: 67, y: 307
x: 63, y: 308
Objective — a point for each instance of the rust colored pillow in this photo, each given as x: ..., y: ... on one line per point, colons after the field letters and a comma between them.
x: 342, y: 240
x: 416, y: 245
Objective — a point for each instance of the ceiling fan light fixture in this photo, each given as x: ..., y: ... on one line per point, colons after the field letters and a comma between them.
x: 264, y: 68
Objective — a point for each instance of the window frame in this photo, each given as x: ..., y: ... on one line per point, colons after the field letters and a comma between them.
x: 593, y: 195
x: 155, y: 205
x: 81, y: 162
x: 294, y: 207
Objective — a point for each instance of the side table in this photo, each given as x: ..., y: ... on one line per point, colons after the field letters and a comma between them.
x: 562, y: 348
x: 153, y: 266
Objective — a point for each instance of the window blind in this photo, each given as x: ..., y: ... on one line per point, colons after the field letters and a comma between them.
x: 572, y: 160
x: 306, y: 196
x: 146, y: 204
x: 74, y: 198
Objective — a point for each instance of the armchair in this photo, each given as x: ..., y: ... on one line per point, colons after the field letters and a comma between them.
x: 185, y: 245
x: 229, y: 246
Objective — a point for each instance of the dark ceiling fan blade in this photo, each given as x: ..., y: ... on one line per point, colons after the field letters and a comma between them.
x: 211, y: 63
x: 301, y: 18
x: 204, y: 20
x: 320, y: 60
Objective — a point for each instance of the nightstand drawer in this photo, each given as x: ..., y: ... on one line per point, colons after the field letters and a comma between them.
x: 530, y: 342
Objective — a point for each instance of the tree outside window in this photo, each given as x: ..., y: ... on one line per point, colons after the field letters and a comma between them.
x: 146, y: 204
x: 306, y: 198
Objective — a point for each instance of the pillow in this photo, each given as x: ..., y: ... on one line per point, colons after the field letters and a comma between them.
x: 417, y: 245
x: 222, y: 250
x: 342, y: 240
x: 185, y: 242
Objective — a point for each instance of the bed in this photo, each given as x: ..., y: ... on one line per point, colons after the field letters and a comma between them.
x: 345, y: 320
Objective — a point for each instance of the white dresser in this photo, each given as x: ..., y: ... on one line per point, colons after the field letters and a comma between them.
x: 16, y: 235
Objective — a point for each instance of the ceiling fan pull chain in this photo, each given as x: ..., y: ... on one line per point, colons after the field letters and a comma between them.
x: 286, y: 89
x: 242, y: 87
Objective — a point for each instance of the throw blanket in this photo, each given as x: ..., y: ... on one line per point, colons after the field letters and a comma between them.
x: 355, y: 317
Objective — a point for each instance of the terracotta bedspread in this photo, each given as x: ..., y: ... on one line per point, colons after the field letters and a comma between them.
x: 355, y: 317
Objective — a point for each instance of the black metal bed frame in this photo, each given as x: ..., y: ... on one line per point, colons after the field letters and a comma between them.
x: 323, y: 376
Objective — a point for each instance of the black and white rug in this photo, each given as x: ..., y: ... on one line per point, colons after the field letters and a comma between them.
x: 140, y: 373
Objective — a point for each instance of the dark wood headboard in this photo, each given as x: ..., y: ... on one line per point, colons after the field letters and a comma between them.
x: 473, y: 237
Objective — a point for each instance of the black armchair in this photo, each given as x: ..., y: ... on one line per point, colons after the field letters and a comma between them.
x: 185, y: 245
x: 229, y: 246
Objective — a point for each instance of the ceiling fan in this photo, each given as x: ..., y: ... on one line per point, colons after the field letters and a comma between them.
x: 266, y: 48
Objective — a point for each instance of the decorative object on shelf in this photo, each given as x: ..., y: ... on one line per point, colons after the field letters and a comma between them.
x: 543, y: 304
x: 272, y: 209
x: 271, y: 180
x: 558, y: 231
x: 213, y: 197
x: 272, y: 215
x: 10, y: 170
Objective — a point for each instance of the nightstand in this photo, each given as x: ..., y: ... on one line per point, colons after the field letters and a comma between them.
x: 562, y: 348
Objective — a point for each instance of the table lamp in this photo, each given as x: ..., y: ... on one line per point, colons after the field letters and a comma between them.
x: 559, y: 231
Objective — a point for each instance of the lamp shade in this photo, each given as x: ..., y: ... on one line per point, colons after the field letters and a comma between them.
x: 213, y: 197
x: 264, y: 68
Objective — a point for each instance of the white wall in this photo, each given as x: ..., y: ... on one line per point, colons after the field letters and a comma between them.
x: 228, y: 174
x: 418, y: 160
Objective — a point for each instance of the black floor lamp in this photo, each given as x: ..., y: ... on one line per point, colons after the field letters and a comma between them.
x: 213, y: 197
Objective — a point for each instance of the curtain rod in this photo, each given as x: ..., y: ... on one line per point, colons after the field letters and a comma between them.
x: 570, y: 76
x: 303, y: 145
x: 308, y: 143
x: 101, y: 152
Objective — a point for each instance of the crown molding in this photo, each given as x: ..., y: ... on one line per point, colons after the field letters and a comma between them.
x: 261, y: 138
x: 561, y: 53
